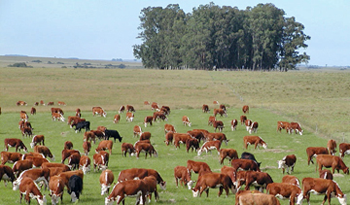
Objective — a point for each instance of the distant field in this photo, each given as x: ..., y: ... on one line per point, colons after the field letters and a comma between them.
x: 312, y: 98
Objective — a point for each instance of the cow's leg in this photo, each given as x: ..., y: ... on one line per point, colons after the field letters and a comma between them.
x: 220, y: 191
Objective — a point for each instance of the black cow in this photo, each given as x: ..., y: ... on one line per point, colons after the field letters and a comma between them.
x: 114, y: 134
x: 82, y: 125
x: 247, y: 155
x: 75, y: 187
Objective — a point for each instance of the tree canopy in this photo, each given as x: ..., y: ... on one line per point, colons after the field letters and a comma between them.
x: 258, y: 38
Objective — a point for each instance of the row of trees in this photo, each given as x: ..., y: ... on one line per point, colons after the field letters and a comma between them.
x: 259, y: 38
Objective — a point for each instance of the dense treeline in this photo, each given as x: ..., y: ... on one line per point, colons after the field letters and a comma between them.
x: 259, y: 38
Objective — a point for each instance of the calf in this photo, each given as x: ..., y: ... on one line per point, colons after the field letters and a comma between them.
x: 234, y: 123
x: 127, y: 147
x: 245, y: 164
x: 186, y: 121
x: 116, y: 118
x: 325, y: 160
x: 6, y: 174
x: 213, y: 180
x: 205, y: 108
x: 133, y: 188
x: 56, y: 186
x: 287, y: 162
x: 227, y: 153
x: 75, y: 187
x: 105, y: 145
x: 313, y: 152
x: 137, y: 130
x: 13, y: 142
x: 331, y: 146
x: 37, y: 139
x: 286, y: 191
x: 84, y: 164
x: 106, y: 180
x: 114, y: 134
x: 30, y: 190
x: 218, y: 125
x: 181, y: 173
x: 145, y: 147
x: 344, y: 148
x: 254, y: 140
x: 210, y: 145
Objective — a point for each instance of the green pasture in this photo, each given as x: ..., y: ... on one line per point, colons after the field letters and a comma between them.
x: 315, y: 99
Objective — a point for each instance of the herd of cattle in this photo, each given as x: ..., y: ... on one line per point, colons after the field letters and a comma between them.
x: 32, y: 170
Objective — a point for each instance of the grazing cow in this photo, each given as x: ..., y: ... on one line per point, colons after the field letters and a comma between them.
x: 326, y: 174
x: 10, y: 157
x: 155, y: 106
x: 140, y: 173
x: 50, y: 103
x: 25, y: 124
x: 192, y: 144
x: 130, y: 108
x: 169, y: 138
x: 38, y: 175
x: 37, y: 161
x: 222, y: 106
x: 68, y: 145
x: 148, y: 120
x: 21, y: 103
x: 37, y: 139
x: 6, y: 174
x: 168, y: 128
x: 245, y: 109
x: 256, y: 178
x: 114, y: 134
x: 250, y: 198
x: 181, y: 173
x: 234, y: 123
x: 76, y: 121
x: 78, y: 112
x: 247, y: 155
x: 151, y: 187
x: 221, y: 112
x: 180, y: 138
x: 89, y: 136
x: 146, y: 103
x: 85, y: 164
x: 245, y: 164
x: 186, y: 121
x: 82, y: 125
x: 218, y: 125
x: 133, y: 188
x: 26, y: 131
x: 68, y: 174
x: 104, y: 145
x: 248, y: 123
x: 283, y: 125
x: 227, y: 153
x: 165, y: 109
x: 36, y: 103
x: 57, y: 110
x: 57, y: 117
x: 127, y: 147
x: 45, y: 151
x: 71, y: 119
x: 197, y: 134
x: 210, y: 145
x: 217, y: 136
x: 198, y: 167
x: 211, y: 120
x: 66, y: 153
x: 42, y: 102
x: 73, y: 161
x: 75, y: 187
x: 145, y: 136
x: 14, y: 142
x: 98, y: 111
x: 344, y: 148
x: 160, y: 116
x: 331, y: 146
x: 129, y: 116
x: 254, y: 140
x: 116, y: 118
x: 205, y: 108
x: 291, y: 180
x: 32, y: 154
x: 137, y: 130
x: 286, y: 191
x: 323, y: 186
x: 106, y: 180
x: 49, y: 165
x: 61, y: 103
x: 296, y: 127
x: 58, y: 170
x: 229, y: 171
x: 213, y: 180
x: 326, y: 160
x: 243, y: 118
x: 21, y: 165
x: 99, y: 134
x: 313, y: 152
x: 145, y: 147
x: 253, y: 127
x: 56, y: 186
x: 100, y: 161
x: 287, y: 162
x: 121, y: 109
x: 30, y: 190
x: 33, y: 111
x: 216, y: 102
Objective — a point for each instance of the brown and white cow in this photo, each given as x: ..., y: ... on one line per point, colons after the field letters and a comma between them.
x: 165, y: 109
x: 221, y: 112
x: 283, y: 125
x: 71, y: 119
x: 197, y: 134
x: 85, y: 164
x: 116, y: 118
x: 215, y: 102
x: 26, y: 131
x: 210, y: 145
x: 21, y: 165
x: 68, y: 145
x: 137, y: 130
x: 192, y: 144
x: 130, y: 108
x: 344, y: 148
x: 213, y: 180
x: 61, y: 103
x: 33, y: 111
x: 78, y: 112
x: 89, y: 137
x: 56, y: 186
x: 42, y: 102
x: 146, y: 102
x: 99, y: 134
x: 105, y: 145
x: 37, y: 161
x: 228, y: 153
x: 291, y: 180
x: 127, y: 147
x: 248, y: 123
x: 229, y: 171
x: 313, y: 152
x: 100, y: 162
x: 222, y: 106
x: 23, y: 115
x: 256, y: 178
x: 145, y: 147
x: 10, y: 157
x: 133, y: 188
x: 151, y: 187
x: 67, y: 175
x: 294, y: 126
x: 98, y: 111
x: 155, y: 106
x: 286, y: 191
x: 326, y: 174
x: 129, y: 116
x: 73, y: 161
x: 140, y: 173
x: 168, y: 128
x: 322, y: 186
x: 169, y: 138
x: 253, y: 127
x: 6, y: 174
x: 159, y: 116
x: 211, y: 120
x: 205, y: 108
x: 37, y: 139
x: 148, y: 120
x: 30, y: 190
x: 218, y: 125
x: 121, y: 109
x: 326, y: 160
x: 234, y: 123
x: 181, y: 173
x: 245, y: 109
x: 106, y: 180
x: 251, y: 198
x: 66, y: 153
x: 14, y: 142
x: 45, y: 151
x: 331, y: 146
x: 180, y: 138
x: 20, y: 102
x: 186, y: 121
x: 245, y: 164
x: 198, y: 167
x: 57, y: 110
x: 243, y: 118
x: 57, y: 117
x: 254, y: 140
x: 287, y: 162
x: 38, y: 175
x: 145, y: 136
x: 217, y: 136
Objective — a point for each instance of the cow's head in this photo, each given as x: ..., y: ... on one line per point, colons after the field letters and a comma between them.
x: 41, y: 199
x: 281, y: 164
x: 189, y: 184
x: 342, y: 200
x: 195, y: 192
x: 162, y: 185
x: 104, y: 189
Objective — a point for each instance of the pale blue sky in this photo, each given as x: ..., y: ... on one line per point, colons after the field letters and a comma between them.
x: 107, y: 29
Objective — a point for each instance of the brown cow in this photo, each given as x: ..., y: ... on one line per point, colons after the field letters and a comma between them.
x: 283, y: 125
x: 313, y: 152
x: 33, y: 111
x: 243, y: 118
x: 229, y: 171
x: 234, y: 123
x: 137, y: 130
x: 344, y: 148
x: 85, y: 164
x: 218, y: 125
x: 192, y: 144
x: 198, y: 167
x: 210, y: 145
x: 121, y: 109
x: 61, y: 103
x: 37, y: 174
x: 6, y: 174
x: 322, y: 186
x: 42, y: 102
x: 68, y: 145
x: 148, y: 120
x: 106, y: 180
x: 217, y: 136
x: 286, y: 191
x: 248, y: 123
x: 245, y: 109
x: 56, y: 186
x: 253, y: 127
x: 127, y: 147
x: 221, y: 112
x: 104, y: 145
x: 216, y: 102
x: 145, y: 136
x: 287, y: 162
x: 245, y: 164
x: 57, y: 117
x: 21, y: 165
x: 26, y: 131
x: 140, y: 173
x: 130, y: 108
x: 129, y: 116
x: 134, y: 188
x: 168, y: 128
x: 98, y: 111
x: 100, y: 162
x: 21, y: 103
x: 211, y: 120
x: 86, y: 147
x: 14, y: 142
x: 78, y: 112
x: 116, y: 118
x: 326, y: 174
x: 186, y: 121
x: 250, y: 198
x: 228, y: 153
x: 71, y: 119
x: 254, y: 140
x: 291, y: 180
x: 66, y: 153
x: 296, y: 127
x: 89, y: 136
x: 155, y: 106
x: 10, y: 157
x: 145, y: 147
x: 256, y: 178
x: 169, y: 138
x: 213, y: 180
x: 326, y: 160
x: 45, y: 151
x: 30, y: 190
x: 181, y: 173
x: 197, y: 134
x: 37, y: 161
x: 50, y: 103
x: 205, y: 108
x: 151, y: 187
x: 180, y: 138
x: 331, y: 146
x: 57, y: 110
x: 159, y: 116
x: 37, y: 139
x: 146, y: 103
x: 222, y: 106
x: 99, y: 134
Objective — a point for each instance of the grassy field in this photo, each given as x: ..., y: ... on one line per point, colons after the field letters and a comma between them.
x: 315, y: 99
